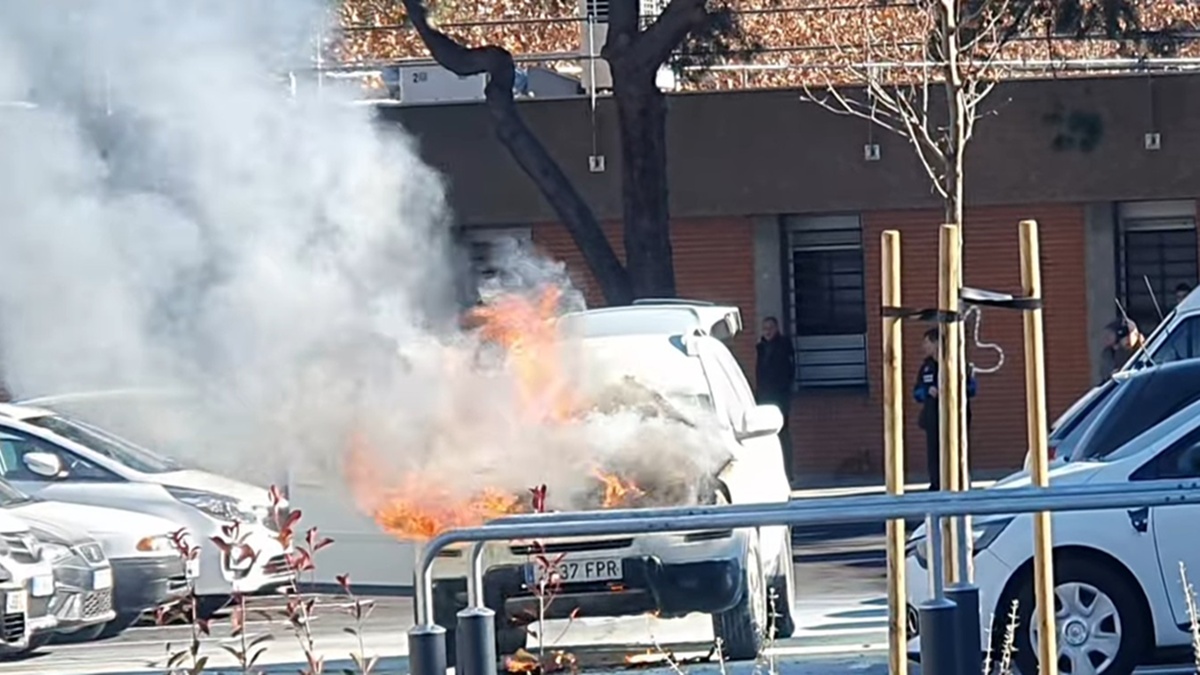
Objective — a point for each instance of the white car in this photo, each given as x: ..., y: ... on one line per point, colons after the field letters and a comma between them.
x: 1119, y: 587
x: 62, y: 459
x: 26, y: 588
x: 674, y: 350
x: 83, y: 582
x: 115, y: 563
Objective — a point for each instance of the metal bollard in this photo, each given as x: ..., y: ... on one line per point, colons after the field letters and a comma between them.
x: 476, y: 642
x: 966, y: 617
x: 938, y: 635
x: 427, y: 650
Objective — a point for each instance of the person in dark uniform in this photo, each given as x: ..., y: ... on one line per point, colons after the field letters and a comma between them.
x: 925, y: 391
x: 775, y: 374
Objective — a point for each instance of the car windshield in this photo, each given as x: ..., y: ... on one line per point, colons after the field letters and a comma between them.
x: 11, y: 496
x: 104, y: 443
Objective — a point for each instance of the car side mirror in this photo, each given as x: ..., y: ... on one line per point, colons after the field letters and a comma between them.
x: 761, y: 420
x: 44, y: 464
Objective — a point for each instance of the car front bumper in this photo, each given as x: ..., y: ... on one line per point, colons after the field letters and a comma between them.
x: 648, y: 585
x: 141, y: 584
x: 991, y: 574
x: 19, y: 623
x: 267, y: 571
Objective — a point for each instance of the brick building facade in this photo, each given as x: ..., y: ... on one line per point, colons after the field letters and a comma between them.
x: 803, y: 245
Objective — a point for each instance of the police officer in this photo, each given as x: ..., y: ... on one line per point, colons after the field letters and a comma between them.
x: 925, y: 391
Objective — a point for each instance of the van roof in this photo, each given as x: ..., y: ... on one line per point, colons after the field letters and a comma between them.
x: 655, y: 317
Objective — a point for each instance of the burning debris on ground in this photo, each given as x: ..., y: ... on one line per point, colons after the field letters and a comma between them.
x: 614, y: 443
x: 554, y: 661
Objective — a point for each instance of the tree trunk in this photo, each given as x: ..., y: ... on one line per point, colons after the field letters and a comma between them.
x: 642, y: 115
x: 527, y: 150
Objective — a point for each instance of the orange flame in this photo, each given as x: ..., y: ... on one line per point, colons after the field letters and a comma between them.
x: 617, y: 492
x: 552, y: 662
x: 526, y: 329
x: 415, y: 507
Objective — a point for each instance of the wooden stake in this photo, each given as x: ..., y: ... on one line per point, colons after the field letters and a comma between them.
x: 949, y: 388
x: 893, y: 453
x: 1035, y: 398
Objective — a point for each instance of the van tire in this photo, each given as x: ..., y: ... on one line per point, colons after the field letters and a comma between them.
x: 782, y: 593
x: 741, y: 628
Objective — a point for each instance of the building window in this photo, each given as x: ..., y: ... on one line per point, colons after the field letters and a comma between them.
x: 1156, y: 251
x: 828, y: 318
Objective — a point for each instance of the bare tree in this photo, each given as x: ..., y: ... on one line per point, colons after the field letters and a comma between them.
x: 928, y: 84
x: 687, y: 32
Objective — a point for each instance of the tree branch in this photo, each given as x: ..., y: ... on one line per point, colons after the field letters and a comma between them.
x: 527, y: 150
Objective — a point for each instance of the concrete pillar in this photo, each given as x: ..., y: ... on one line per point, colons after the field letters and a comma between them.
x: 1100, y: 263
x: 768, y: 271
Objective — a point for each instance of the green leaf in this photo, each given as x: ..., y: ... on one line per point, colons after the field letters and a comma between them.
x: 350, y: 631
x: 256, y: 656
x: 234, y: 652
x: 265, y: 637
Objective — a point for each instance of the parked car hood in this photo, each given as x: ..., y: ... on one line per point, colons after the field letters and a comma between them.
x: 57, y: 532
x: 94, y: 520
x: 1076, y: 473
x: 1061, y: 473
x: 192, y: 479
x: 10, y: 523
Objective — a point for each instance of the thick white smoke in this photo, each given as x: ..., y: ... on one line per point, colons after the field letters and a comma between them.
x: 172, y: 217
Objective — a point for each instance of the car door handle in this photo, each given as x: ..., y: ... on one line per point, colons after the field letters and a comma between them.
x: 1139, y: 519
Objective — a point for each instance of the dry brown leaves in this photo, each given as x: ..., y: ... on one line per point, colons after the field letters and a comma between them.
x: 813, y: 42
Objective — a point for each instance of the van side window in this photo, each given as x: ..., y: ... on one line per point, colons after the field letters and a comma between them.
x: 1180, y: 460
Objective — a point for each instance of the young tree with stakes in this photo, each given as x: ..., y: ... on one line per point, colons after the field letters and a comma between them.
x: 687, y: 35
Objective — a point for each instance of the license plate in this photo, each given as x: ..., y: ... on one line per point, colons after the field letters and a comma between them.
x: 16, y: 602
x: 102, y: 579
x: 192, y: 568
x: 576, y: 571
x: 42, y: 586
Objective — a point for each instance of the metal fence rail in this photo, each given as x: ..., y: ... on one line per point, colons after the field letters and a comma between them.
x: 476, y: 655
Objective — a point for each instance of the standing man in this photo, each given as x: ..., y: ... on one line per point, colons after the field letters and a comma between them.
x: 1121, y: 339
x: 925, y: 391
x: 1181, y: 292
x: 775, y: 373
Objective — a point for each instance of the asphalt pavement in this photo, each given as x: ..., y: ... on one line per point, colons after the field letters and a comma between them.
x: 840, y: 607
x: 841, y: 616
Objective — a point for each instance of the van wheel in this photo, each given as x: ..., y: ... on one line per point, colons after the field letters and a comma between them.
x: 741, y: 628
x: 782, y: 593
x: 1101, y: 627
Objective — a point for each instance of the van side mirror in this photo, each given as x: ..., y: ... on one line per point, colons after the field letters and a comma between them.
x: 761, y: 420
x: 44, y: 464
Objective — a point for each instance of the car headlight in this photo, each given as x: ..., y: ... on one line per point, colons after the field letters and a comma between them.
x: 983, y: 533
x: 217, y: 506
x: 55, y: 553
x: 155, y: 544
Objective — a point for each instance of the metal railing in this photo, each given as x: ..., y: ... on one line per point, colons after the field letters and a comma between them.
x: 476, y: 648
